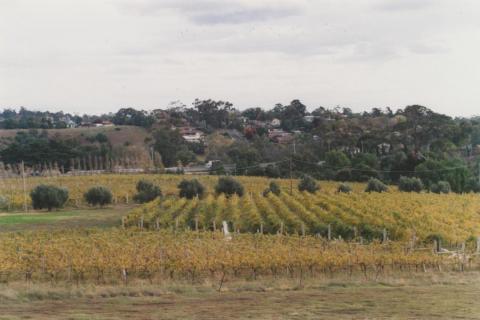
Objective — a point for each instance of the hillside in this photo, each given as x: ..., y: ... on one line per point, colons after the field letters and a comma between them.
x: 117, y: 135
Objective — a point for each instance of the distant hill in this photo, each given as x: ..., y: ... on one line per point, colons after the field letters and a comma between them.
x: 117, y: 135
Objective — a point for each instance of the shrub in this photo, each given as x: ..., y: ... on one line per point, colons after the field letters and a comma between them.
x: 375, y: 185
x: 98, y: 196
x: 48, y: 197
x: 407, y: 184
x: 229, y: 186
x: 3, y: 203
x: 344, y: 188
x: 308, y: 184
x: 473, y: 185
x: 273, y: 188
x: 441, y: 187
x: 146, y: 192
x: 191, y: 189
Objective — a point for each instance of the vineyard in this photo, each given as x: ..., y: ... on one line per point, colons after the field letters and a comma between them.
x: 116, y: 256
x: 424, y: 217
x: 403, y: 216
x: 293, y: 234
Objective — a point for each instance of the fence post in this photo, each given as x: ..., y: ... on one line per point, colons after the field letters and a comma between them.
x: 141, y: 223
x: 329, y: 232
x: 123, y: 222
x: 261, y: 228
x: 435, y: 246
x: 281, y: 227
x: 157, y: 224
x: 303, y: 229
x: 478, y: 244
x: 226, y: 233
x: 385, y: 238
x: 214, y: 226
x: 196, y: 224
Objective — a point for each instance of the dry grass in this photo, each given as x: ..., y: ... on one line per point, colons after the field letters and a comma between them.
x: 422, y: 296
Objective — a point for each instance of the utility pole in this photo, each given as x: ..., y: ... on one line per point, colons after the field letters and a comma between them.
x: 291, y: 178
x: 24, y: 188
x: 291, y: 165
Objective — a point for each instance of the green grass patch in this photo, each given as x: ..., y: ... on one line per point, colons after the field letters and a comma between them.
x: 37, y: 217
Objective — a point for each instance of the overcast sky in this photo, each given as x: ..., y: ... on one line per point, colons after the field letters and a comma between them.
x: 94, y: 56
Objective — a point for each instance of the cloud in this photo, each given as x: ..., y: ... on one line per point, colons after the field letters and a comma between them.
x: 214, y: 12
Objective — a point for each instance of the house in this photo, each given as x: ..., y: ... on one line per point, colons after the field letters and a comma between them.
x: 102, y: 123
x: 276, y: 123
x: 309, y: 119
x: 257, y: 124
x: 384, y: 148
x: 70, y: 124
x: 280, y: 136
x: 196, y: 137
x: 107, y: 123
x: 190, y: 134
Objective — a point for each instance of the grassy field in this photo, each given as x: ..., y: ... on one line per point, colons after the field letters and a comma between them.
x: 86, y: 218
x: 449, y: 296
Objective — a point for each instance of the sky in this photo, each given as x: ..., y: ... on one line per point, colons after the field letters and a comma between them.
x: 96, y: 56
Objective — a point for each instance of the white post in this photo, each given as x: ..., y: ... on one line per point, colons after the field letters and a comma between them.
x: 226, y: 233
x: 329, y: 232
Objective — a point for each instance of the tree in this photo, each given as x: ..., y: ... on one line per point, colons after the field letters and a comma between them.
x: 191, y: 189
x: 213, y: 113
x: 337, y: 160
x: 441, y: 187
x: 375, y: 185
x: 273, y: 188
x: 132, y: 117
x: 407, y: 184
x: 229, y: 186
x: 168, y: 143
x: 48, y: 197
x: 344, y: 188
x: 36, y: 147
x: 98, y: 195
x: 308, y: 184
x: 146, y: 192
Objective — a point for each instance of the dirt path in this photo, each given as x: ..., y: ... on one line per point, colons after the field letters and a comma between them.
x: 330, y: 302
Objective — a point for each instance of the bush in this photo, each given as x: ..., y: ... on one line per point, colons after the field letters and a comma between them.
x: 273, y: 188
x: 229, y: 186
x: 344, y: 188
x: 308, y: 184
x: 146, y: 192
x: 473, y: 185
x: 441, y: 187
x: 375, y: 185
x: 48, y: 197
x: 191, y: 189
x: 407, y: 184
x: 3, y: 203
x: 98, y: 196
